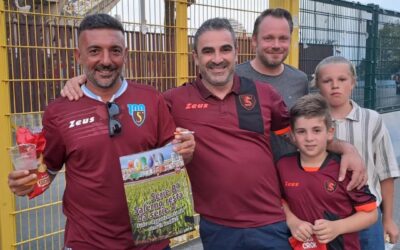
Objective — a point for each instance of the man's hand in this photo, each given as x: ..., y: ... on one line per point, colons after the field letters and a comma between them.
x: 18, y: 182
x: 184, y: 143
x: 72, y: 89
x: 390, y: 228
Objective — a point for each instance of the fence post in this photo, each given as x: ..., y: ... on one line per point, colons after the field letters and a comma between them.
x: 182, y: 51
x: 370, y: 59
x: 293, y: 6
x: 7, y: 201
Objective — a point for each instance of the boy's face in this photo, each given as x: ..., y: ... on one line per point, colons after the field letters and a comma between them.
x: 335, y: 83
x: 311, y: 136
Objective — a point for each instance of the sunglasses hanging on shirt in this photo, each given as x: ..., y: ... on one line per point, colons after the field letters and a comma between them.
x: 114, y: 126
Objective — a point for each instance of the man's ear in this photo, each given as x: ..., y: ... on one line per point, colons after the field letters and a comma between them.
x: 126, y: 55
x: 237, y: 54
x: 254, y: 41
x: 195, y: 57
x: 77, y: 55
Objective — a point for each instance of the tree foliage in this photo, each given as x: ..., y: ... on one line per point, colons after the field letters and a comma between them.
x: 388, y: 56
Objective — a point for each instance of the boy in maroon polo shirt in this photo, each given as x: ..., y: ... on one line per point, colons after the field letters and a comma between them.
x: 330, y: 216
x: 90, y: 135
x: 234, y: 181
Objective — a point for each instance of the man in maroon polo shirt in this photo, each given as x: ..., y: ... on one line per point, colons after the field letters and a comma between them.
x: 111, y: 120
x: 234, y: 180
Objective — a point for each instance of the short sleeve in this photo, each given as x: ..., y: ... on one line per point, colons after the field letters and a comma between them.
x: 55, y: 150
x: 363, y: 199
x: 385, y: 160
x: 279, y: 113
x: 166, y: 124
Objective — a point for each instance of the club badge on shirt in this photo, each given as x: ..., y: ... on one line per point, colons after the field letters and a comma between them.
x: 247, y: 101
x: 138, y: 113
x: 330, y: 186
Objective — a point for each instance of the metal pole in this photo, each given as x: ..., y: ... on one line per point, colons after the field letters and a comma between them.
x: 7, y: 199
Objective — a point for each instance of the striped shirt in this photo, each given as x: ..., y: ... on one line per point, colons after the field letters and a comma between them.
x: 364, y: 128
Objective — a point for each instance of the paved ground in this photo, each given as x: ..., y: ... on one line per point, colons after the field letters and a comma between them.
x: 196, y: 244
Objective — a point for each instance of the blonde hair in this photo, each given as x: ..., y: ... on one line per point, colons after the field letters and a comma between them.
x: 332, y: 60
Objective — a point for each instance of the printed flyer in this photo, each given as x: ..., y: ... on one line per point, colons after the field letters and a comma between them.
x: 158, y: 193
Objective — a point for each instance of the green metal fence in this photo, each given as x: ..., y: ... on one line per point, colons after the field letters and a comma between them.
x: 365, y: 34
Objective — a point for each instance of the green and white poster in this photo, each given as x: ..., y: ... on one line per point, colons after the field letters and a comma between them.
x: 158, y: 194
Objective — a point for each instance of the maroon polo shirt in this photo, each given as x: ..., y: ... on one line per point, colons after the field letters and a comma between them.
x: 94, y: 199
x: 233, y: 176
x: 319, y: 195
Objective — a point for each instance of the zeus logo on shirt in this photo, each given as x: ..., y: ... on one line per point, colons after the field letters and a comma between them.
x: 292, y: 184
x: 80, y: 122
x: 196, y: 105
x: 138, y: 113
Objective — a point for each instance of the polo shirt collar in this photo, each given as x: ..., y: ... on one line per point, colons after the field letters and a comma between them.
x: 205, y: 93
x: 117, y: 94
x: 354, y: 114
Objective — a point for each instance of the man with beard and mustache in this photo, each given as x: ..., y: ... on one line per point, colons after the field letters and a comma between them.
x: 271, y: 39
x: 90, y: 135
x: 234, y: 181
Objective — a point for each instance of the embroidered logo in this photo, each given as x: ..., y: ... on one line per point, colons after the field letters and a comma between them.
x: 330, y: 186
x: 292, y: 184
x: 196, y: 105
x: 138, y: 113
x: 80, y: 122
x: 247, y: 101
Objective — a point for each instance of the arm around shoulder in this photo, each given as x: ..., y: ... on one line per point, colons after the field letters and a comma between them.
x: 351, y: 161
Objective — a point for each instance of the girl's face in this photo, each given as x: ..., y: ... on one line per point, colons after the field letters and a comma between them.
x: 335, y: 83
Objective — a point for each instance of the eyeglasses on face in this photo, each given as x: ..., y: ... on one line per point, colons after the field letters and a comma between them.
x: 114, y: 126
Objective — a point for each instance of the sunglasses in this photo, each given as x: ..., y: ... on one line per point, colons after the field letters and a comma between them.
x: 114, y: 126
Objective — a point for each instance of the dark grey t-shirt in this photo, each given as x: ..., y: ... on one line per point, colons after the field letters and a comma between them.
x: 291, y: 84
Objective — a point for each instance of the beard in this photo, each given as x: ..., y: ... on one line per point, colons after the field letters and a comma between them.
x: 271, y: 63
x: 101, y: 83
x: 221, y: 80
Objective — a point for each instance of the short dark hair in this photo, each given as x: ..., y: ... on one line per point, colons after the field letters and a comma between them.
x: 100, y: 21
x: 311, y: 106
x: 278, y: 13
x: 214, y: 24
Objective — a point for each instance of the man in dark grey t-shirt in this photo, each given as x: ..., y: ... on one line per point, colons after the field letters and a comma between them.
x: 271, y: 38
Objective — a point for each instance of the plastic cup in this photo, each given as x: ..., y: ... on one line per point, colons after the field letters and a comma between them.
x: 23, y: 157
